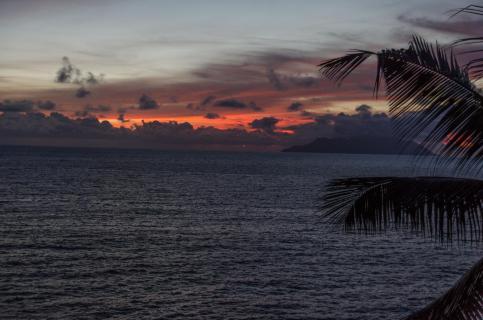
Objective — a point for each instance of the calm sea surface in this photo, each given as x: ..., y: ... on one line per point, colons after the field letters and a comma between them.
x: 97, y: 234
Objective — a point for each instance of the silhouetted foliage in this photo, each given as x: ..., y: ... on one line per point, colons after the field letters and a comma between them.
x: 431, y: 97
x: 439, y: 207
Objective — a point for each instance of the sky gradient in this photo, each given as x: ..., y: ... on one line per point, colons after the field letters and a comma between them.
x: 237, y: 74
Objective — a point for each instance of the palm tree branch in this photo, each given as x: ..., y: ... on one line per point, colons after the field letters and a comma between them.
x: 464, y: 301
x: 439, y: 207
x: 430, y: 96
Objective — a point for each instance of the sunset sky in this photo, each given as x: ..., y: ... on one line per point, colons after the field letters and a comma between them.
x: 230, y: 73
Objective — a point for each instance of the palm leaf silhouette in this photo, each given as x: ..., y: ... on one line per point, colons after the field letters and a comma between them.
x: 462, y: 302
x: 475, y: 66
x: 430, y: 96
x: 439, y: 207
x: 444, y: 208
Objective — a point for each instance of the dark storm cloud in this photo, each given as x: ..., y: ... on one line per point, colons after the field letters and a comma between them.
x: 237, y: 104
x: 69, y: 73
x: 231, y: 103
x: 147, y: 103
x: 34, y: 126
x: 82, y: 92
x: 212, y: 115
x: 25, y: 105
x: 19, y: 119
x: 463, y: 26
x: 364, y: 109
x: 362, y: 123
x: 46, y: 105
x: 296, y: 106
x: 16, y: 106
x: 266, y: 124
x: 206, y: 101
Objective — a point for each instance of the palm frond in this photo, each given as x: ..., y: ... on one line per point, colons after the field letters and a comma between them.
x: 430, y: 96
x: 467, y: 41
x: 426, y: 88
x: 338, y: 69
x: 472, y: 9
x: 474, y: 67
x: 464, y: 301
x: 442, y: 208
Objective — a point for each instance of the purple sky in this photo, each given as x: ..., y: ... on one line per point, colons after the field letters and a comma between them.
x: 213, y: 74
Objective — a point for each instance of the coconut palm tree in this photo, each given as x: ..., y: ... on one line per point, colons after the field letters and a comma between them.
x: 433, y: 100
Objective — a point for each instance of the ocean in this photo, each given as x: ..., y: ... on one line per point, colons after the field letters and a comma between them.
x: 138, y: 234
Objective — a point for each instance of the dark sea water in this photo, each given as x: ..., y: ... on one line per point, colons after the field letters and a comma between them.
x: 114, y: 234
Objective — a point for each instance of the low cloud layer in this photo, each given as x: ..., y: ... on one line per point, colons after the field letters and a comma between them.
x: 26, y: 105
x: 20, y: 120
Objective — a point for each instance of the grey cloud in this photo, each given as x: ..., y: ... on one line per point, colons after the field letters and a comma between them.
x: 212, y: 115
x: 25, y: 105
x: 57, y: 126
x: 69, y: 73
x: 237, y: 104
x: 364, y: 110
x: 16, y: 106
x: 207, y: 100
x: 92, y: 79
x: 463, y: 26
x: 231, y: 103
x: 282, y: 82
x: 266, y: 124
x: 147, y: 103
x: 304, y: 81
x: 122, y: 118
x: 274, y: 79
x: 296, y: 106
x: 82, y: 92
x: 34, y: 125
x: 46, y: 105
x: 362, y: 123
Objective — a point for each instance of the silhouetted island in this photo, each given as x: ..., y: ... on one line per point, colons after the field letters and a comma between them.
x: 360, y: 145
